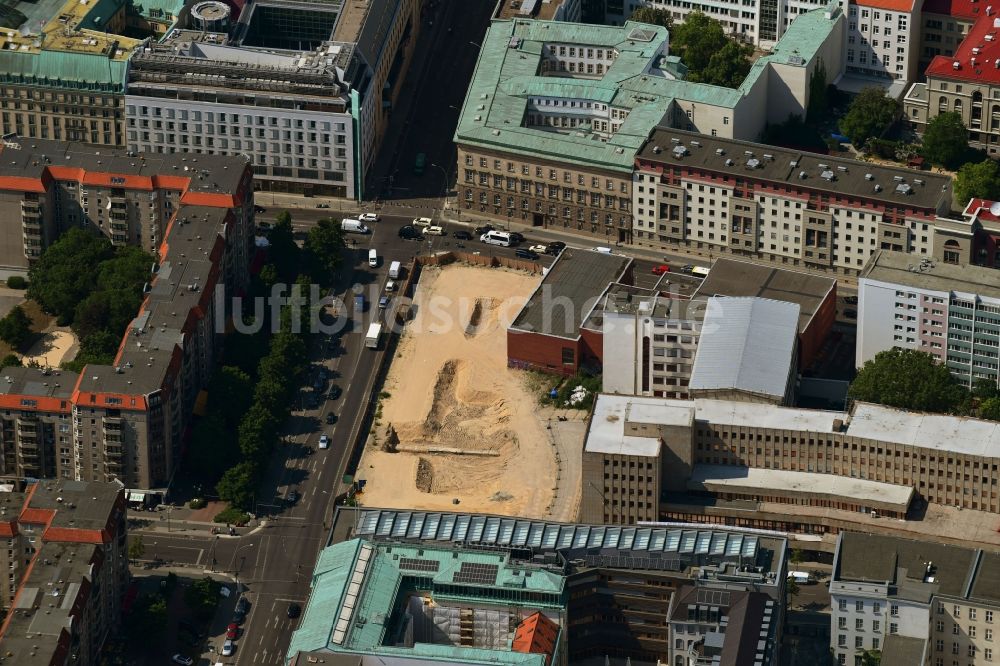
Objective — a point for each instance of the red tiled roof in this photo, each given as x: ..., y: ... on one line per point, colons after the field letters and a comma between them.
x: 891, y: 5
x: 983, y: 37
x: 980, y: 209
x: 537, y: 634
x: 963, y: 9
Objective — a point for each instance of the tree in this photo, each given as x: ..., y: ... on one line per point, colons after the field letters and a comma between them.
x: 977, y: 179
x: 946, y: 140
x: 236, y: 485
x: 796, y: 555
x: 729, y: 66
x: 230, y: 394
x: 212, y: 449
x: 792, y: 588
x: 147, y: 620
x: 819, y: 97
x: 67, y: 271
x: 15, y: 328
x: 870, y: 657
x: 282, y: 251
x: 269, y: 275
x: 201, y: 596
x: 907, y: 379
x: 653, y: 16
x: 136, y: 548
x: 324, y: 246
x: 870, y: 114
x: 10, y: 361
x: 696, y: 40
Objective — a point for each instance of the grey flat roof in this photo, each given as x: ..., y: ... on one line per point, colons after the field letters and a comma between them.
x: 930, y: 431
x: 850, y: 182
x: 987, y: 583
x: 569, y: 291
x: 904, y: 269
x: 732, y: 277
x: 38, y: 382
x: 723, y: 477
x: 606, y: 433
x: 85, y: 505
x: 871, y: 557
x: 902, y: 650
x: 746, y: 344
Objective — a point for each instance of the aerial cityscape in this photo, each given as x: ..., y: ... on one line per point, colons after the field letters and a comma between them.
x: 524, y: 332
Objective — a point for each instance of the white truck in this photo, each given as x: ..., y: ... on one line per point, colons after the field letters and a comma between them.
x: 349, y: 225
x: 394, y: 269
x: 374, y: 334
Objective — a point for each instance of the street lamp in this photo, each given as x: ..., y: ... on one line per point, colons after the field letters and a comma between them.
x: 236, y: 570
x: 444, y: 187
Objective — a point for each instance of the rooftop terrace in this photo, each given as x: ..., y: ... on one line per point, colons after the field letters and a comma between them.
x: 81, y: 27
x: 901, y: 268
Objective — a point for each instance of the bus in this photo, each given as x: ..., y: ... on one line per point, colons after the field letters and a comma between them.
x: 700, y: 271
x: 418, y: 165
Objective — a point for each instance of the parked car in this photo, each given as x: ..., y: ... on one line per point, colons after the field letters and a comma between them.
x: 228, y: 648
x: 239, y: 616
x: 294, y: 610
x: 369, y: 217
x: 233, y: 631
x: 242, y: 604
x: 687, y: 268
x: 516, y: 238
x: 479, y: 231
x: 324, y: 441
x: 555, y: 247
x: 422, y: 221
x: 182, y: 660
x: 259, y: 209
x: 539, y: 248
x: 292, y: 497
x: 383, y: 302
x: 323, y: 205
x: 462, y: 235
x: 409, y: 232
x: 435, y: 230
x: 661, y: 269
x: 331, y: 418
x: 334, y: 392
x: 390, y: 286
x: 525, y: 253
x: 851, y: 314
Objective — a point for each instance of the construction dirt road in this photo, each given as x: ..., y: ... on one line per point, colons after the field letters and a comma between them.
x: 467, y: 425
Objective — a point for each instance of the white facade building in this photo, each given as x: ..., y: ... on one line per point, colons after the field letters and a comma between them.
x: 880, y: 44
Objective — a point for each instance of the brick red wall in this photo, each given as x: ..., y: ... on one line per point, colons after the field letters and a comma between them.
x: 592, y: 346
x: 541, y: 352
x: 812, y: 339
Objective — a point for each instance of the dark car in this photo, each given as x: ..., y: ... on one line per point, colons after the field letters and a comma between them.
x: 383, y: 302
x: 259, y: 209
x: 525, y: 253
x: 479, y: 231
x: 294, y: 610
x: 515, y: 238
x: 293, y: 497
x: 410, y: 232
x: 331, y: 418
x: 851, y: 300
x: 462, y: 235
x: 334, y: 392
x: 239, y: 616
x: 555, y: 247
x: 851, y: 314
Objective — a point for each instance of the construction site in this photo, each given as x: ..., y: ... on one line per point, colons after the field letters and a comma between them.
x: 455, y: 425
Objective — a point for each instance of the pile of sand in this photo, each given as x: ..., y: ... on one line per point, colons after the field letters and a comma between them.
x: 466, y: 424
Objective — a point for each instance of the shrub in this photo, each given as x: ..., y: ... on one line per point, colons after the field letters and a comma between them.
x: 17, y: 282
x: 197, y: 503
x: 232, y: 516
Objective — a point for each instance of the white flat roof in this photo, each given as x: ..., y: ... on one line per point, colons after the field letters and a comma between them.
x: 728, y: 412
x: 931, y: 431
x: 607, y: 426
x: 714, y: 476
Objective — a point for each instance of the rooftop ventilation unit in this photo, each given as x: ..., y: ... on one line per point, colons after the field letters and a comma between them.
x: 674, y: 139
x: 898, y: 179
x: 918, y: 181
x: 904, y: 188
x: 657, y: 150
x: 720, y: 151
x: 878, y: 188
x: 842, y: 169
x: 753, y: 163
x: 803, y: 175
x: 827, y: 175
x: 696, y: 143
x: 768, y: 156
x: 868, y: 176
x: 956, y: 65
x: 823, y: 166
x: 975, y: 50
x: 730, y: 163
x: 680, y: 151
x: 793, y: 163
x: 748, y: 153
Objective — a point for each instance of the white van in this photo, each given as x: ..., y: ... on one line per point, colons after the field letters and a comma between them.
x: 394, y: 269
x: 495, y: 237
x: 801, y: 577
x: 372, y: 258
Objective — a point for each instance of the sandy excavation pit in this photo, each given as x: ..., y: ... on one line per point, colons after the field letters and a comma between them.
x: 466, y: 423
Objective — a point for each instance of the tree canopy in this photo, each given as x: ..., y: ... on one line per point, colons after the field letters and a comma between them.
x: 907, y: 379
x: 977, y: 179
x: 324, y: 248
x: 67, y: 272
x: 946, y: 140
x: 654, y: 16
x: 15, y: 328
x: 710, y: 56
x: 870, y: 114
x: 282, y: 251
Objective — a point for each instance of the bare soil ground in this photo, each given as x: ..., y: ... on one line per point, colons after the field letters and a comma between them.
x: 468, y: 426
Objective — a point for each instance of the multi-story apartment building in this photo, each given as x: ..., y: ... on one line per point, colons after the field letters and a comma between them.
x: 556, y: 112
x: 66, y: 555
x: 713, y: 627
x: 915, y: 602
x: 609, y: 589
x: 783, y: 206
x: 543, y: 10
x: 291, y: 113
x: 966, y: 82
x: 951, y: 311
x: 195, y: 213
x: 880, y: 42
x: 872, y: 459
x: 944, y: 24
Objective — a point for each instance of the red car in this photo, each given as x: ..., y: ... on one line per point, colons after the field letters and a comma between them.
x: 661, y: 269
x: 232, y: 631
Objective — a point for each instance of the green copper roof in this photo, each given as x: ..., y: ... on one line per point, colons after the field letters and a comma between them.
x: 643, y: 80
x: 359, y: 587
x: 79, y: 71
